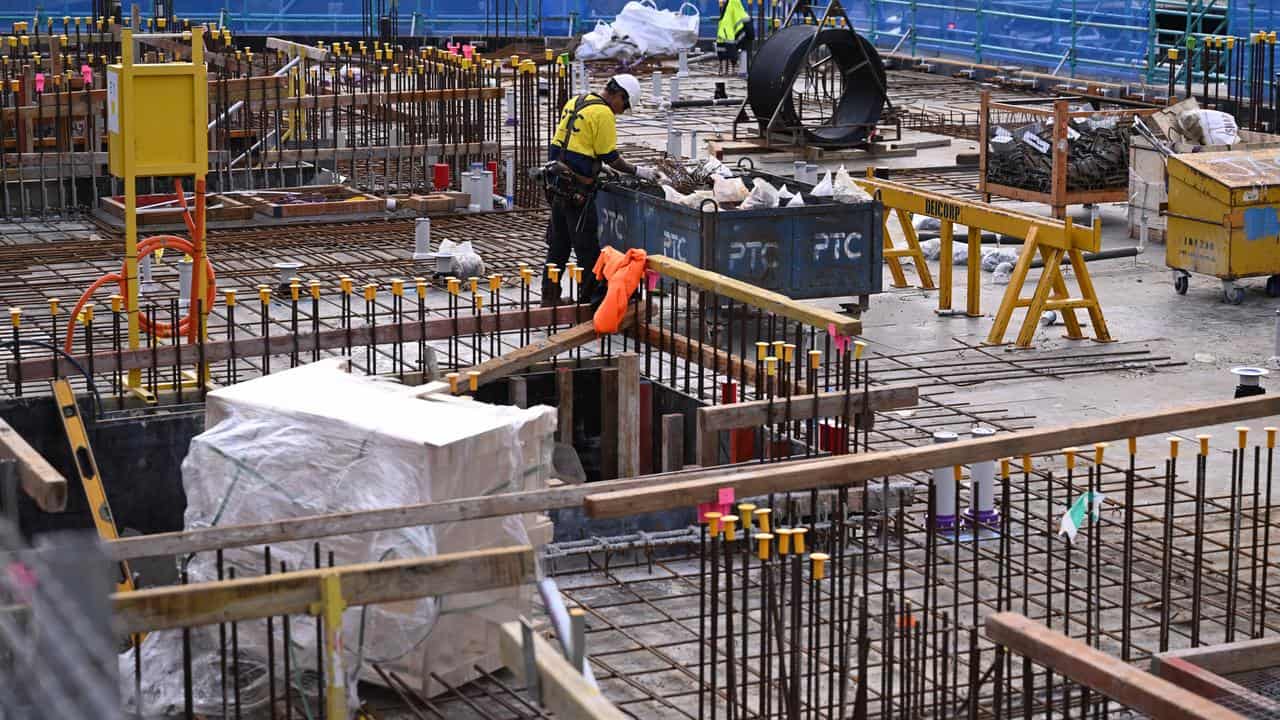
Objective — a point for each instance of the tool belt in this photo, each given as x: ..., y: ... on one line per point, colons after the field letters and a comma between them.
x: 563, y: 184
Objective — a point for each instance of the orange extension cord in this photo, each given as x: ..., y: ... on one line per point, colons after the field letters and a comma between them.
x: 189, y: 325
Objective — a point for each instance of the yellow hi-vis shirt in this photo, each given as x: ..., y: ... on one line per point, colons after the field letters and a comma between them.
x: 733, y: 21
x: 594, y: 136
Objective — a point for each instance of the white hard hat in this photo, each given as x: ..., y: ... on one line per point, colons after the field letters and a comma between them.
x: 630, y: 85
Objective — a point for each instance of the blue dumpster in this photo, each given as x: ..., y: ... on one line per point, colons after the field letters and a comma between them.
x: 822, y: 249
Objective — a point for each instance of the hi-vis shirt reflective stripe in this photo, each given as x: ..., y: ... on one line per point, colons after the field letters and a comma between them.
x: 733, y: 22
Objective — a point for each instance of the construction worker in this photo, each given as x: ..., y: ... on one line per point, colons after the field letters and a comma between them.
x: 734, y: 33
x: 585, y: 139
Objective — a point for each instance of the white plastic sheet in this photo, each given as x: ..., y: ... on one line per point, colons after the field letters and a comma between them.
x: 728, y: 191
x: 316, y: 440
x: 763, y: 195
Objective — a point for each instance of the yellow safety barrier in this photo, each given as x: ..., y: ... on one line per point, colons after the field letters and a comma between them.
x: 1047, y: 238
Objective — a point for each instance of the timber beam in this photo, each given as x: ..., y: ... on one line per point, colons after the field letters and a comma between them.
x: 292, y: 593
x: 37, y: 478
x: 852, y: 469
x: 1126, y: 684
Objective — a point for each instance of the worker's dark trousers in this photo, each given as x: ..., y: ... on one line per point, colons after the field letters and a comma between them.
x: 571, y: 228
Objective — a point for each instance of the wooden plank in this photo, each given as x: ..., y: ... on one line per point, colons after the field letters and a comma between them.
x: 293, y: 49
x: 437, y: 328
x: 672, y: 442
x: 1230, y: 658
x: 710, y: 421
x: 776, y: 303
x: 1189, y: 676
x: 1118, y: 680
x: 564, y: 691
x: 564, y: 405
x: 628, y: 415
x: 830, y: 404
x: 348, y: 523
x: 291, y: 593
x: 540, y: 350
x: 708, y: 443
x: 610, y: 404
x: 850, y: 469
x: 705, y: 354
x: 36, y: 476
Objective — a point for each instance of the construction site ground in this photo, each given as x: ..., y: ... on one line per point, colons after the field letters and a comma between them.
x: 1203, y: 336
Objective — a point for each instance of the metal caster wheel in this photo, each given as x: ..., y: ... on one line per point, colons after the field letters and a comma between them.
x: 1232, y: 293
x: 1181, y: 283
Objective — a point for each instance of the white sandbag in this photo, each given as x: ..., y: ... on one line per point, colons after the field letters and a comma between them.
x: 1209, y: 127
x: 1002, y: 272
x: 932, y: 249
x: 992, y: 258
x: 825, y: 188
x: 763, y: 195
x: 711, y: 166
x: 593, y: 44
x: 641, y: 30
x: 658, y: 32
x: 846, y: 190
x: 696, y: 198
x: 728, y: 191
x: 926, y: 223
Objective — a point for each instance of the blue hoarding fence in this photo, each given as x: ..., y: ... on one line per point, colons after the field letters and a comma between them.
x: 1104, y: 39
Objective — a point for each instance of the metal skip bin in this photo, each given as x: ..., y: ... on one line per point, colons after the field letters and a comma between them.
x: 820, y: 250
x: 1224, y: 218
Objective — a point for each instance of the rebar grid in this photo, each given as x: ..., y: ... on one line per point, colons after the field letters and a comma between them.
x: 1169, y: 565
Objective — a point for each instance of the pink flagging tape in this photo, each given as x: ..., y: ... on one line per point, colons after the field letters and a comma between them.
x: 842, y: 342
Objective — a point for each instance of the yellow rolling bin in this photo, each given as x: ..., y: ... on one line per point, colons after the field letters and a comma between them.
x: 1224, y: 219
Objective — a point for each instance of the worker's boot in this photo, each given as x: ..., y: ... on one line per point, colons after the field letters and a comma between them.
x: 591, y: 291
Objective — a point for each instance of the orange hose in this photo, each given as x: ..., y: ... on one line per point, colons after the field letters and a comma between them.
x: 189, y: 325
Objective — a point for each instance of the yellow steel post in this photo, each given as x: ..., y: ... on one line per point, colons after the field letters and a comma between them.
x: 891, y: 257
x: 330, y: 609
x: 1052, y: 257
x: 946, y: 236
x: 973, y: 289
x: 1016, y: 279
x: 1062, y: 301
x: 1094, y: 308
x: 913, y: 250
x: 198, y: 275
x: 125, y: 108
